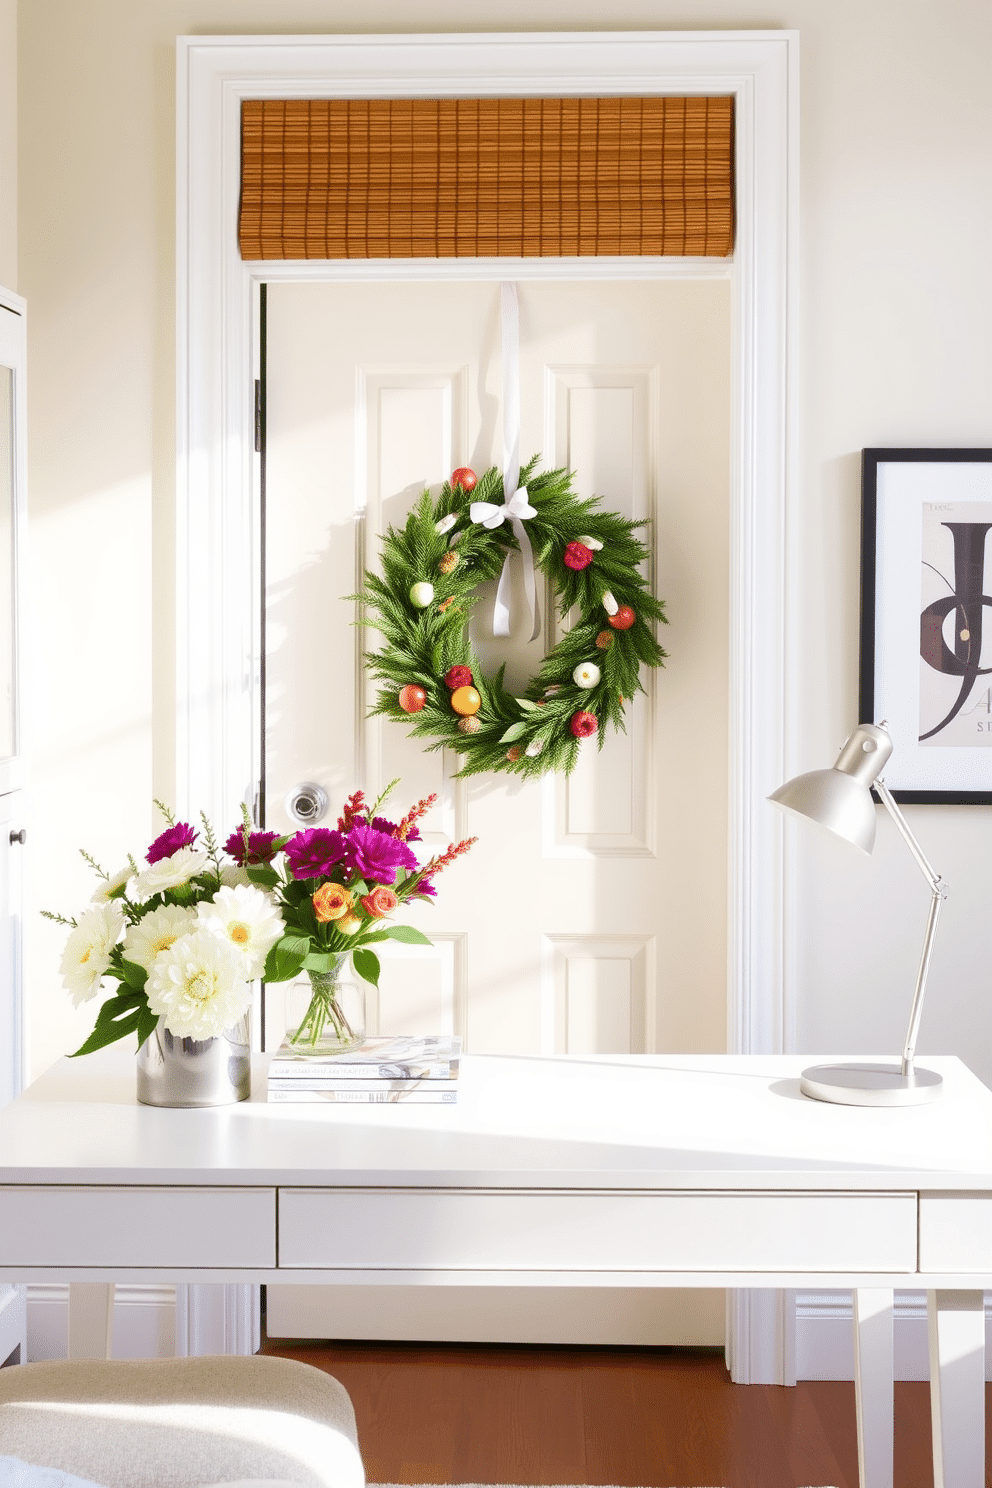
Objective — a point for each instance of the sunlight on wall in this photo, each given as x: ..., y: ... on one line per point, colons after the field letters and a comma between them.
x: 90, y: 697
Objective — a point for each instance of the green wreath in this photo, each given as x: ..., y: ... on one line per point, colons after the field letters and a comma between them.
x: 422, y: 599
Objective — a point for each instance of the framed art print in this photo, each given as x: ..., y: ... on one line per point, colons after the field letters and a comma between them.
x: 926, y: 619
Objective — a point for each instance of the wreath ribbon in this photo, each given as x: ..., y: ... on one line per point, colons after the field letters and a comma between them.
x: 515, y: 508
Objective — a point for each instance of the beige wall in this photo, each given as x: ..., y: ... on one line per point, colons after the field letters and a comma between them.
x: 8, y: 143
x: 896, y: 349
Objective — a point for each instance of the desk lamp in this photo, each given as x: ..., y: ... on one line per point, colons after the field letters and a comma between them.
x: 840, y: 800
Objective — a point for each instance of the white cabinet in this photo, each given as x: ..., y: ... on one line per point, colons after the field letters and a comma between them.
x: 13, y: 427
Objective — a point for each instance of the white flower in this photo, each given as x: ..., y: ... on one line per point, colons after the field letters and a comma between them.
x: 87, y: 951
x: 232, y: 874
x: 247, y: 918
x: 109, y: 886
x: 198, y: 986
x: 156, y: 932
x: 168, y: 873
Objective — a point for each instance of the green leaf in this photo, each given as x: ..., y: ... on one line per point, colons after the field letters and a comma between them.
x: 514, y: 732
x: 408, y: 935
x: 146, y: 1023
x: 118, y: 1007
x: 321, y: 961
x: 286, y: 958
x: 108, y: 1032
x: 526, y: 705
x: 135, y: 976
x: 260, y: 873
x: 367, y: 965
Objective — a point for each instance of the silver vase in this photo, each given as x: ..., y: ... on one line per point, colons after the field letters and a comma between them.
x: 195, y: 1072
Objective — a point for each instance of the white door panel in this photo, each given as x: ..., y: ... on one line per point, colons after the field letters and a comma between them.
x: 591, y: 916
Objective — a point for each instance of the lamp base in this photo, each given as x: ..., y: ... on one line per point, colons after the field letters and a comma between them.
x: 869, y: 1084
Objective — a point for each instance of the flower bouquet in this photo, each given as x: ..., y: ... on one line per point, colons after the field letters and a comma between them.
x: 336, y: 888
x: 186, y: 935
x: 183, y: 936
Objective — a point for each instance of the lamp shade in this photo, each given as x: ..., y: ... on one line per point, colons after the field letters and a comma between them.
x: 840, y: 798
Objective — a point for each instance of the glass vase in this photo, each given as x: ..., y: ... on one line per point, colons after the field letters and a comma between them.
x: 325, y: 1014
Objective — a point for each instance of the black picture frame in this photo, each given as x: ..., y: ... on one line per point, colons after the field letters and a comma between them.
x: 908, y: 673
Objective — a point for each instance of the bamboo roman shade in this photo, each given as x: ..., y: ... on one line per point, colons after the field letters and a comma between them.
x: 486, y: 177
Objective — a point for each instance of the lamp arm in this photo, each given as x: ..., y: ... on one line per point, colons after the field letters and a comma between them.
x: 938, y: 891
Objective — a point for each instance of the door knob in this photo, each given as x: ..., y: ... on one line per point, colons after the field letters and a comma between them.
x: 20, y: 837
x: 306, y: 803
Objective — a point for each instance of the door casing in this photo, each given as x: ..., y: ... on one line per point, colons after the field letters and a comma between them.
x: 218, y: 603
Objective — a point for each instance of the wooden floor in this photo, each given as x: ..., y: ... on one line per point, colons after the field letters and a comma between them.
x: 668, y: 1418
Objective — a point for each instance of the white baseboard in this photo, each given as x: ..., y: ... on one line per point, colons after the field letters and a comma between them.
x: 222, y: 1319
x: 12, y: 1324
x: 152, y: 1322
x: 558, y: 1315
x: 144, y: 1321
x: 825, y: 1336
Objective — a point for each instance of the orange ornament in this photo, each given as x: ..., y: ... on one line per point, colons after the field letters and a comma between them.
x: 466, y: 701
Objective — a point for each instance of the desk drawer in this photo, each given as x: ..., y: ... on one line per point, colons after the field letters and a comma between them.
x: 97, y: 1226
x: 481, y: 1229
x: 955, y: 1232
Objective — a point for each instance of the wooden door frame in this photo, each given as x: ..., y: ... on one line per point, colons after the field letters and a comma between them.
x: 217, y: 530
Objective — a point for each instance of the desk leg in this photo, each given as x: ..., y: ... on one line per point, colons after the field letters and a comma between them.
x: 956, y: 1331
x: 873, y: 1372
x: 91, y: 1320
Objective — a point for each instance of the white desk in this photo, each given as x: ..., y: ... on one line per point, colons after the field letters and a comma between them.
x: 653, y: 1171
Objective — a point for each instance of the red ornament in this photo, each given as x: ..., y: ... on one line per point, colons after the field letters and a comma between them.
x: 623, y: 619
x: 464, y: 476
x: 577, y: 556
x: 458, y: 676
x: 412, y: 698
x: 582, y: 725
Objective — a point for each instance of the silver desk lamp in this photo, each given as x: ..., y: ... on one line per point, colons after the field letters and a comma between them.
x: 840, y: 800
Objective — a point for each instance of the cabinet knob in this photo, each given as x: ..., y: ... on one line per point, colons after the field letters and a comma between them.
x: 20, y: 837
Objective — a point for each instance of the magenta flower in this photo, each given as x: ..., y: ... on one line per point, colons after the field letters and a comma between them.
x: 170, y: 841
x: 375, y: 856
x: 313, y: 853
x: 262, y: 847
x: 382, y: 825
x: 424, y: 889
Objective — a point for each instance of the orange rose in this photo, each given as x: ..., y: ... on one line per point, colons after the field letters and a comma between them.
x: 349, y: 923
x: 330, y: 902
x: 381, y: 901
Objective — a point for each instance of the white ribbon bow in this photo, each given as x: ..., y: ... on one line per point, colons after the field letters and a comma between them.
x: 515, y: 508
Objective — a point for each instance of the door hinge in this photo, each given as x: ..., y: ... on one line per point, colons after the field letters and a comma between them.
x: 259, y: 430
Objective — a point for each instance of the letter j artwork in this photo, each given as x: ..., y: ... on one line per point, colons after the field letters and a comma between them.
x: 955, y: 632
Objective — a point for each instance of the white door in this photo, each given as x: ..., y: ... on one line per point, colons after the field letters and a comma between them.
x: 591, y: 915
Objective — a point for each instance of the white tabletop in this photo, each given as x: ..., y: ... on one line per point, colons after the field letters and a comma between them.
x: 663, y: 1121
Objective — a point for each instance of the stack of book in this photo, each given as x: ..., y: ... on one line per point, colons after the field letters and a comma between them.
x: 418, y: 1071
